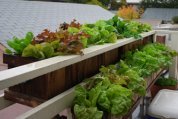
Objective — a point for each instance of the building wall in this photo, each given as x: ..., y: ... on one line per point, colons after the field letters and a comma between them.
x: 2, y: 66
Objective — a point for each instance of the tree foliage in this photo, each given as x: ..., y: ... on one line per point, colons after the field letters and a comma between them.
x: 80, y: 1
x: 124, y: 2
x: 102, y: 3
x: 110, y: 4
x: 128, y: 12
x: 159, y: 3
x: 175, y: 19
x: 97, y: 2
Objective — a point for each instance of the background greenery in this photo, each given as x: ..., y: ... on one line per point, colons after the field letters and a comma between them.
x: 159, y: 3
x: 107, y: 4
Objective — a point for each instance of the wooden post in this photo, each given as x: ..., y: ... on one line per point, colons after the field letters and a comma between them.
x: 161, y: 39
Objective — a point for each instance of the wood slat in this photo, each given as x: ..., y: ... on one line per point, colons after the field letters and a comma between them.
x: 22, y: 98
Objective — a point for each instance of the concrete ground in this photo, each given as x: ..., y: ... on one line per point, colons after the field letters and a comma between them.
x: 13, y: 111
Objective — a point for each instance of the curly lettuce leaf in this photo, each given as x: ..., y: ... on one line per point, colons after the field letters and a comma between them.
x: 47, y: 50
x: 33, y: 51
x: 82, y: 112
x: 116, y: 99
x: 18, y: 45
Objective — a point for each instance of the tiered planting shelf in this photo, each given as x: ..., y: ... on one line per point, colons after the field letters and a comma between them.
x: 64, y: 100
x: 65, y: 71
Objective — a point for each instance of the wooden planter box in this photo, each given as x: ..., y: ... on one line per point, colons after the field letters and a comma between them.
x: 51, y: 84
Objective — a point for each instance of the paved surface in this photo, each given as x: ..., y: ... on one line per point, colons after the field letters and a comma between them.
x: 19, y: 17
x: 13, y: 111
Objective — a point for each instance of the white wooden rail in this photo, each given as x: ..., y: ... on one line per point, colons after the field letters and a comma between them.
x: 52, y: 107
x: 27, y: 72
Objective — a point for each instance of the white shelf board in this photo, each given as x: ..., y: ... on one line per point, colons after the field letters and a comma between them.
x: 24, y: 73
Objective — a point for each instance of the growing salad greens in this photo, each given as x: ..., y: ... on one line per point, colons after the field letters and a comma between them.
x: 100, y: 32
x: 136, y: 83
x: 112, y: 89
x: 128, y: 28
x: 19, y: 45
x: 82, y: 112
x: 116, y: 100
x: 150, y: 58
x: 73, y: 37
x: 41, y: 51
x: 124, y: 76
x: 166, y: 82
x: 112, y: 98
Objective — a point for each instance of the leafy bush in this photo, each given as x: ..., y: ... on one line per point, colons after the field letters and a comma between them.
x: 166, y: 82
x: 101, y: 3
x: 105, y: 2
x: 128, y: 12
x: 114, y: 5
x: 175, y: 19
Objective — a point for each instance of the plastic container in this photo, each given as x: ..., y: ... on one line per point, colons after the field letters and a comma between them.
x: 164, y: 105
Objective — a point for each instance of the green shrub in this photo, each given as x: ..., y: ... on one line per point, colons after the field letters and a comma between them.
x: 115, y: 5
x: 175, y: 19
x: 105, y: 2
x: 96, y: 2
x: 101, y: 3
x: 166, y: 82
x: 80, y: 1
